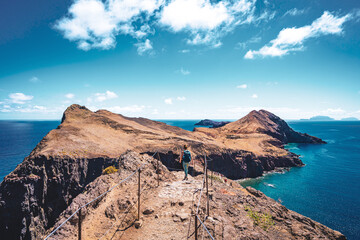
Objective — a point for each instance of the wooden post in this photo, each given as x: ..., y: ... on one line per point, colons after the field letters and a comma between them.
x: 207, y: 188
x: 138, y: 216
x: 158, y: 170
x: 79, y: 225
x: 196, y: 232
x: 212, y: 171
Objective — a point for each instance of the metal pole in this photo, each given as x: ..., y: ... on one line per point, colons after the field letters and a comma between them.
x: 79, y: 225
x: 138, y: 217
x: 207, y: 188
x: 196, y: 232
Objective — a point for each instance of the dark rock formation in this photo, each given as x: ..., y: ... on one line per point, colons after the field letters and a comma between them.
x: 39, y: 189
x: 211, y: 123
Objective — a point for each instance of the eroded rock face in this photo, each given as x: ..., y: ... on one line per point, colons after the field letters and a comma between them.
x: 39, y: 189
x: 73, y: 155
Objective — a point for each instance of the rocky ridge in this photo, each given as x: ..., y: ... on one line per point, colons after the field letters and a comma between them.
x: 72, y: 156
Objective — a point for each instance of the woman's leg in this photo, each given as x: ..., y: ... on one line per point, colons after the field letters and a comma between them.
x: 186, y: 167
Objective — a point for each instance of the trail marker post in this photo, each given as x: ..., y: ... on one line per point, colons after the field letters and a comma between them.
x: 138, y: 216
x: 79, y: 225
x: 207, y: 189
x: 158, y: 169
x: 196, y: 232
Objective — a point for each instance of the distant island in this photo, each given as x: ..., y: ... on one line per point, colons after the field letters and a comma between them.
x: 326, y: 118
x: 319, y: 118
x: 350, y: 119
x: 211, y: 123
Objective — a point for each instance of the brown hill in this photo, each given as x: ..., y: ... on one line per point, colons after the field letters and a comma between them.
x: 73, y: 155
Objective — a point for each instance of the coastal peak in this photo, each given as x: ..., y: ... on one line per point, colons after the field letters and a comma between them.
x: 265, y: 122
x: 75, y: 111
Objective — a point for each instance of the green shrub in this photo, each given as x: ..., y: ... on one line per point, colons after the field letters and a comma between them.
x: 263, y: 220
x: 216, y: 178
x: 109, y: 170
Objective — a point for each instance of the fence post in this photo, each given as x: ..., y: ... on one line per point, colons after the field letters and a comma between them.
x: 212, y: 171
x: 196, y: 232
x: 158, y: 170
x: 207, y: 188
x: 138, y: 216
x: 79, y: 225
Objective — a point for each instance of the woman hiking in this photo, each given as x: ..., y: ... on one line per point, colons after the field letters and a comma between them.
x: 185, y: 158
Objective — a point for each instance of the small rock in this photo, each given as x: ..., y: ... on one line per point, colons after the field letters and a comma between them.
x: 148, y: 211
x: 182, y: 216
x: 138, y: 224
x: 156, y: 216
x: 181, y: 203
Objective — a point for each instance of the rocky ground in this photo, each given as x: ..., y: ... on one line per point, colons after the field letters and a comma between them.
x: 70, y: 158
x: 167, y: 209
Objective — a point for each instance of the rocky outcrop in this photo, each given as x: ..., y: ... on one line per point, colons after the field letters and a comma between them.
x: 73, y: 155
x: 211, y: 123
x: 267, y: 123
x: 167, y: 210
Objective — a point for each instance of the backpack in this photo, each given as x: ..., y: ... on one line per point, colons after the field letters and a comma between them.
x: 187, y: 156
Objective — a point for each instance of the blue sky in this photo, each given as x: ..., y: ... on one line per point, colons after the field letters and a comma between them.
x: 180, y: 59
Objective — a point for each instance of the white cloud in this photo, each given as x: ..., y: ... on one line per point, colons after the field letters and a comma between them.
x: 127, y: 109
x: 32, y: 109
x: 168, y: 101
x: 70, y: 95
x: 243, y: 45
x: 184, y: 72
x: 20, y: 98
x: 96, y: 23
x: 34, y: 80
x: 144, y: 47
x: 292, y: 39
x: 208, y: 21
x: 100, y: 97
x: 254, y: 96
x: 295, y: 12
x: 333, y: 111
x: 184, y: 51
x: 242, y: 86
x: 194, y: 14
x: 181, y: 98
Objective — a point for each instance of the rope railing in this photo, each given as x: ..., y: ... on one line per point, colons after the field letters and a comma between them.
x: 196, y: 213
x: 126, y: 211
x: 205, y: 227
x: 101, y: 195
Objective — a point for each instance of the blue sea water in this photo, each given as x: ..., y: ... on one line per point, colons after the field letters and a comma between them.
x: 18, y: 139
x: 327, y: 189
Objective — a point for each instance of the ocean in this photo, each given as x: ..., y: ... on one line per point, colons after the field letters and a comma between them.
x: 327, y: 189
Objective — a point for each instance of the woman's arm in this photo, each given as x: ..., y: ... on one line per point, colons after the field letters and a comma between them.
x: 181, y: 156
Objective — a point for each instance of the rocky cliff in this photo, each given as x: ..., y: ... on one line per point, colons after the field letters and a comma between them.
x: 73, y: 155
x: 211, y: 123
x: 167, y: 209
